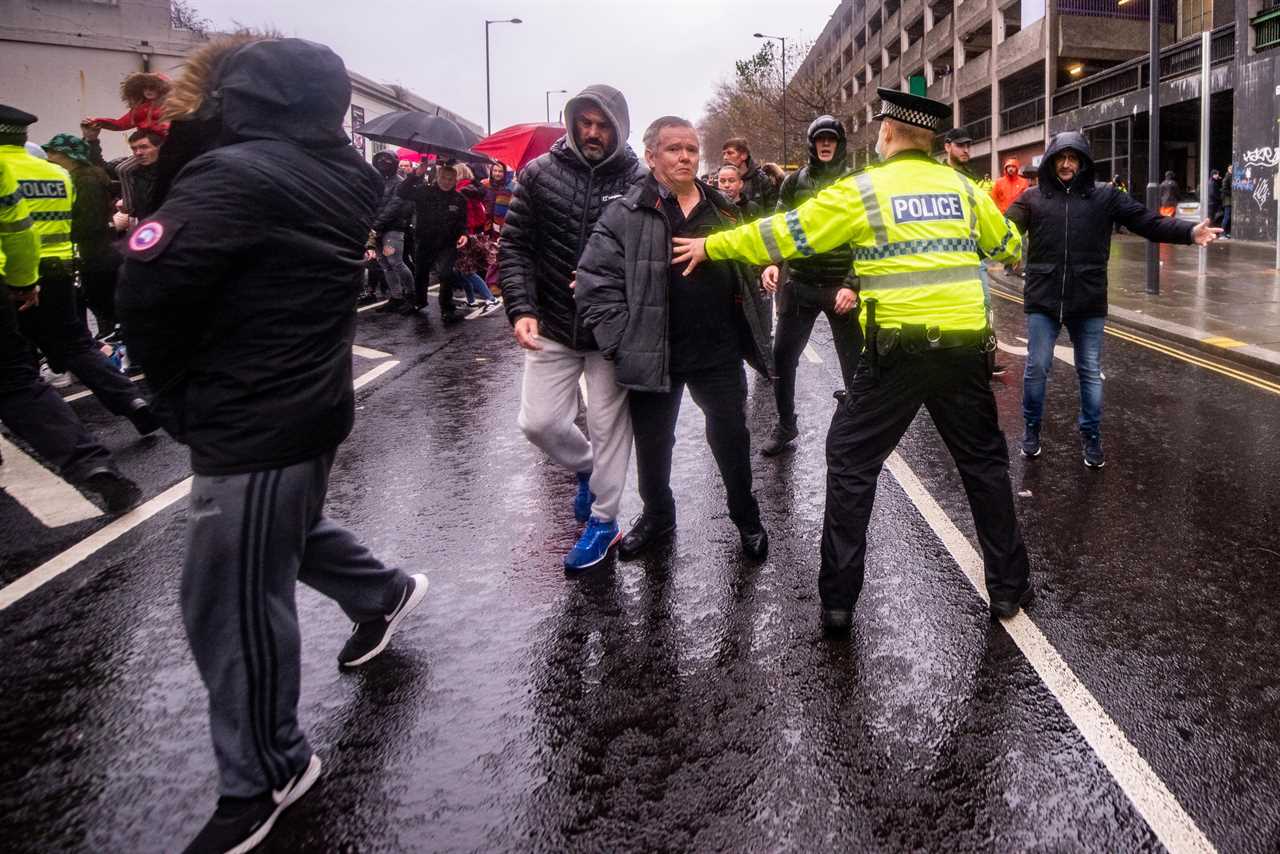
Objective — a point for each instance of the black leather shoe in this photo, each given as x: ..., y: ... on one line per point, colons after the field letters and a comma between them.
x: 755, y: 542
x: 1003, y: 609
x: 836, y: 622
x: 644, y: 532
x: 780, y: 439
x: 117, y: 491
x: 144, y: 420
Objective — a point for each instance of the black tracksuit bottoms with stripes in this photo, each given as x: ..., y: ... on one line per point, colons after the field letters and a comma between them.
x: 250, y: 538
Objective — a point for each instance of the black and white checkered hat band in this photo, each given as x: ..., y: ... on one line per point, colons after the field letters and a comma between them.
x: 4, y: 128
x: 906, y: 115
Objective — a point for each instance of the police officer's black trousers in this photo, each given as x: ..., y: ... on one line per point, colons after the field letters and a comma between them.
x: 954, y: 386
x: 56, y: 327
x: 798, y: 308
x: 721, y: 394
x: 35, y: 413
x: 440, y: 262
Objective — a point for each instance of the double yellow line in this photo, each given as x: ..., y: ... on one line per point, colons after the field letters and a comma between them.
x: 1189, y: 358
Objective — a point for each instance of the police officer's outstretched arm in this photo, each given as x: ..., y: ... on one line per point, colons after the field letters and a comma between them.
x: 834, y: 217
x: 998, y: 238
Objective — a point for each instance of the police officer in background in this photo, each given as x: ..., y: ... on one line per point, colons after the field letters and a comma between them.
x: 56, y: 325
x: 918, y: 229
x: 821, y: 284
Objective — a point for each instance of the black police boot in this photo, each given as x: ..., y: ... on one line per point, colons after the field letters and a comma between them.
x: 836, y: 622
x: 1003, y: 609
x: 645, y: 531
x: 755, y: 541
x: 780, y: 439
x: 144, y: 420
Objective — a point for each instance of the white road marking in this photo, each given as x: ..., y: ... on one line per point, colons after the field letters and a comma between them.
x: 369, y: 376
x: 86, y: 393
x: 812, y: 354
x: 45, y: 495
x: 51, y: 569
x: 370, y: 305
x: 368, y: 352
x: 1173, y: 827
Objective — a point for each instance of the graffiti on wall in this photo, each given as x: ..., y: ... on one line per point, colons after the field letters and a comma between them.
x: 1260, y: 193
x: 1251, y: 177
x: 1263, y: 156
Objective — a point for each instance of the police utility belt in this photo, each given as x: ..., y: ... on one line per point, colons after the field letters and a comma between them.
x: 914, y: 339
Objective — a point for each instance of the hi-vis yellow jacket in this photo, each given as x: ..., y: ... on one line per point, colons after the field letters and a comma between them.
x: 49, y: 193
x: 19, y: 246
x: 918, y: 229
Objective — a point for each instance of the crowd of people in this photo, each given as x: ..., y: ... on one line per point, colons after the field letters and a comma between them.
x: 229, y: 264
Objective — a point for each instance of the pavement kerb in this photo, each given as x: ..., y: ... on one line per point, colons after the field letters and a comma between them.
x: 1250, y: 355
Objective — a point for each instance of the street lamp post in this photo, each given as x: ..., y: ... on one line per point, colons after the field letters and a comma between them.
x: 551, y: 92
x: 782, y: 39
x: 488, y: 110
x: 1153, y: 148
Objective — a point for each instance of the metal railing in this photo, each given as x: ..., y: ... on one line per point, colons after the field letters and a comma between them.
x: 1024, y: 115
x: 1138, y: 10
x: 980, y: 129
x: 1176, y: 60
x: 1266, y: 28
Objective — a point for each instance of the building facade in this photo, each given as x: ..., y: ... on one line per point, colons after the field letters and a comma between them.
x: 1016, y: 71
x: 64, y: 60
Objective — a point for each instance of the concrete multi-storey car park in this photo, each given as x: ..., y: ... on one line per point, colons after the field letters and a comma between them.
x: 1015, y: 71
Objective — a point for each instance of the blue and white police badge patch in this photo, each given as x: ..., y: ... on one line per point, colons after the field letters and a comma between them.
x: 927, y: 207
x: 150, y: 238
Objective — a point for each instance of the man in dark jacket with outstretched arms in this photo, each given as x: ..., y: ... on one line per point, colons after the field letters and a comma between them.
x: 664, y: 330
x: 556, y: 204
x: 1068, y: 218
x: 238, y: 297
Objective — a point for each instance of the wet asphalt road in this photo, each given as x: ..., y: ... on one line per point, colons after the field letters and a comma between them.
x: 686, y: 701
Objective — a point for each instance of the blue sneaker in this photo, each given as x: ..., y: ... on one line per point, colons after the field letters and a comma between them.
x: 584, y: 499
x: 594, y: 544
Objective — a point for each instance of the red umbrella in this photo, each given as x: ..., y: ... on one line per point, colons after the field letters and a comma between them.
x: 409, y: 154
x: 518, y: 144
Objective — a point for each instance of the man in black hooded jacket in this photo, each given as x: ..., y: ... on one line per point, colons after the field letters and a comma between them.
x: 1068, y: 218
x: 238, y: 297
x: 821, y: 284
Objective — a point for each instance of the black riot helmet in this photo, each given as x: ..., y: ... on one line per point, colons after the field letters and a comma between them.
x: 826, y: 125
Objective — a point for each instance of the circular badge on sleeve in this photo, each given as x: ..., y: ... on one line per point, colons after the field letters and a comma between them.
x: 146, y: 236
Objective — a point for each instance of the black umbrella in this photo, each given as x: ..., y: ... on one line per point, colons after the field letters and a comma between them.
x: 421, y: 132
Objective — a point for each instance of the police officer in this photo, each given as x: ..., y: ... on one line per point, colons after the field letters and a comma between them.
x: 821, y: 284
x: 918, y: 229
x: 30, y: 408
x: 55, y: 325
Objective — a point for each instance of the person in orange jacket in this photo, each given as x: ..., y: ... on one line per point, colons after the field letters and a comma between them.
x: 1010, y: 185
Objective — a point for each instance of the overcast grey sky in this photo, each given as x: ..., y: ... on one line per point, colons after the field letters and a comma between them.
x: 664, y: 55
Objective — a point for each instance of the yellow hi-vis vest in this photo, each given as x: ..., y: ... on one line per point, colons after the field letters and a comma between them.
x: 918, y: 231
x: 19, y: 246
x: 49, y: 194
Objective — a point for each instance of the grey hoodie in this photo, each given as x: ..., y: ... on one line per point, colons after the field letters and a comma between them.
x: 610, y: 102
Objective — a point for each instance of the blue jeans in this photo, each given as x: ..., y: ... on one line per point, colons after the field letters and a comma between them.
x: 1086, y: 339
x: 475, y: 287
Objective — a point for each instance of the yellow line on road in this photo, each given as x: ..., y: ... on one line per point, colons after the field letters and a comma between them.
x: 1150, y: 344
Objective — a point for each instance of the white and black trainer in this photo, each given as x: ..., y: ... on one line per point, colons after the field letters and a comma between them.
x: 372, y: 636
x: 240, y: 824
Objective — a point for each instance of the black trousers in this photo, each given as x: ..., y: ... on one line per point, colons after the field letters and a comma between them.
x: 798, y: 308
x: 954, y: 385
x: 36, y: 413
x: 721, y: 394
x: 98, y: 281
x: 440, y: 262
x: 57, y: 329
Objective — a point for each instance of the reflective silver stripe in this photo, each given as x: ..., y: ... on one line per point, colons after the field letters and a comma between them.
x: 919, y: 279
x: 797, y: 233
x: 51, y: 216
x: 1008, y: 235
x: 973, y: 206
x: 58, y: 237
x: 770, y: 242
x: 872, y: 206
x: 12, y: 227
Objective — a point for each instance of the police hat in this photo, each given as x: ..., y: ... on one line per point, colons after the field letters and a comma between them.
x: 957, y: 135
x: 13, y: 120
x: 912, y: 110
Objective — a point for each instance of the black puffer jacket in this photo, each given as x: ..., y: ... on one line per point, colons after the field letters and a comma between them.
x: 834, y: 268
x: 623, y: 282
x: 556, y: 204
x: 1068, y: 232
x: 238, y: 295
x: 758, y: 186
